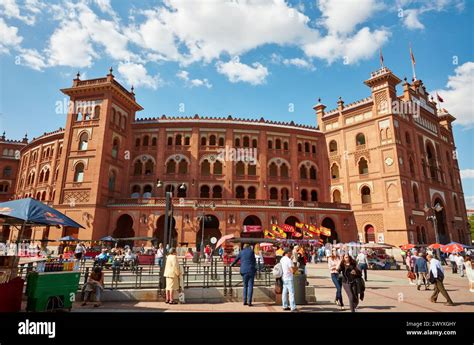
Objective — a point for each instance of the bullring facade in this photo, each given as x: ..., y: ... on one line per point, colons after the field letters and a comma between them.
x: 110, y: 171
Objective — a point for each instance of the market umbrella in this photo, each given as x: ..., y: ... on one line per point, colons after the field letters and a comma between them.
x: 266, y: 245
x: 68, y: 238
x: 223, y: 239
x: 108, y: 239
x: 452, y: 248
x: 377, y: 245
x: 33, y: 212
x: 435, y: 246
x: 407, y: 246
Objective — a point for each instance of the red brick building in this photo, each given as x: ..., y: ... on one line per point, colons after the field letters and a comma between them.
x: 102, y: 169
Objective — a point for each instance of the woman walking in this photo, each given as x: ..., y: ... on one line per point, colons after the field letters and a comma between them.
x: 172, y: 274
x: 333, y: 262
x: 350, y: 273
x: 469, y: 272
x: 410, y: 275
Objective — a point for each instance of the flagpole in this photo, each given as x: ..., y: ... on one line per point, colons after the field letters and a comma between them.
x: 412, y: 63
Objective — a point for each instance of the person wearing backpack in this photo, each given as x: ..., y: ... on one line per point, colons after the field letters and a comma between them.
x: 436, y: 278
x: 277, y: 273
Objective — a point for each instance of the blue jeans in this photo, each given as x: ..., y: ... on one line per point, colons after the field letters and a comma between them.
x: 98, y: 291
x: 288, y: 289
x: 159, y: 261
x: 248, y: 279
x: 337, y: 284
x: 363, y: 268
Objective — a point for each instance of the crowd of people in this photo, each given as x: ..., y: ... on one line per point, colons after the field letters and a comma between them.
x: 347, y: 266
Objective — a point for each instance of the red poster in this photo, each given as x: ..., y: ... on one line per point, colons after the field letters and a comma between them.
x: 252, y: 228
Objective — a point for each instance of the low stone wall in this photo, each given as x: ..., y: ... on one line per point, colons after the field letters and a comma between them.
x: 198, y: 295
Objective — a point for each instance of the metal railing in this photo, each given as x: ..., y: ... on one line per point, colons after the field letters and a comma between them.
x: 189, y: 202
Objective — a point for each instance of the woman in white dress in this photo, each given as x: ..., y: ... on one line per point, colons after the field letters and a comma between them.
x: 469, y: 272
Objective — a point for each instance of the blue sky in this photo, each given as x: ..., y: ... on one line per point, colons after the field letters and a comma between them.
x: 244, y: 58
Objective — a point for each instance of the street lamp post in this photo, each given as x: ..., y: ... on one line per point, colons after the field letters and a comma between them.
x: 168, y: 223
x: 196, y: 206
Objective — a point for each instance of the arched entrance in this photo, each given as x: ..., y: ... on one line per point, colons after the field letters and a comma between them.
x: 211, y: 229
x: 441, y: 222
x: 124, y: 229
x: 252, y: 221
x: 292, y: 220
x: 369, y: 233
x: 329, y: 223
x: 159, y: 232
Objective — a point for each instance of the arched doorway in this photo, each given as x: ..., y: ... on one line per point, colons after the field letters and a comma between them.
x: 159, y: 232
x: 252, y: 221
x: 329, y: 223
x: 292, y: 220
x: 211, y: 229
x: 124, y: 229
x: 369, y: 233
x: 441, y: 222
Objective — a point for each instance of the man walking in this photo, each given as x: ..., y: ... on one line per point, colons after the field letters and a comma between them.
x: 460, y: 263
x: 288, y: 288
x: 247, y: 270
x: 436, y: 278
x: 452, y: 260
x: 362, y: 263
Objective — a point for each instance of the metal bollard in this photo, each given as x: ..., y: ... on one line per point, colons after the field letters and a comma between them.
x: 225, y: 280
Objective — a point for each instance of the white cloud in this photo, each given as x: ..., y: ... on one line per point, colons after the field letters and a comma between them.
x: 137, y: 75
x: 239, y: 72
x: 246, y: 25
x: 9, y: 37
x: 184, y: 75
x: 341, y: 17
x: 10, y: 9
x: 106, y: 7
x: 33, y: 59
x: 412, y: 10
x: 458, y: 95
x: 467, y: 173
x: 362, y: 45
x: 70, y: 46
x: 411, y: 20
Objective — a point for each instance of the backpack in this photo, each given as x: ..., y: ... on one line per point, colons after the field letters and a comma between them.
x: 277, y: 271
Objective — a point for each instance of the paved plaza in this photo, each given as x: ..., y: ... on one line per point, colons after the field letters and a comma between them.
x: 386, y: 291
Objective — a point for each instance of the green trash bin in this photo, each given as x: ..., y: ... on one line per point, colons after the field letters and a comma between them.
x: 51, y: 290
x: 299, y: 281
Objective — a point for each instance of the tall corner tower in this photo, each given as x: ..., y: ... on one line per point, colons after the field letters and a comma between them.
x: 97, y: 140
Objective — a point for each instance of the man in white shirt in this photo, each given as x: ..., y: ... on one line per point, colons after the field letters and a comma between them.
x: 363, y: 263
x: 460, y: 263
x: 436, y: 277
x: 79, y: 251
x: 452, y: 260
x: 287, y: 277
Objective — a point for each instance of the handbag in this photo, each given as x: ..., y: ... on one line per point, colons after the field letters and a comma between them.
x: 181, y: 297
x: 411, y: 275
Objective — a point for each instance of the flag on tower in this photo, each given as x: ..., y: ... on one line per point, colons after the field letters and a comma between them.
x: 413, y: 63
x: 439, y: 98
x: 381, y: 57
x: 412, y: 57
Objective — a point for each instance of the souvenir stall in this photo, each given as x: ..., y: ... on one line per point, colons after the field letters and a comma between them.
x: 47, y: 282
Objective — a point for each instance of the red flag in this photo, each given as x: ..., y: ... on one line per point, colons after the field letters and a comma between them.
x: 412, y: 57
x: 296, y: 234
x: 288, y: 228
x: 439, y: 98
